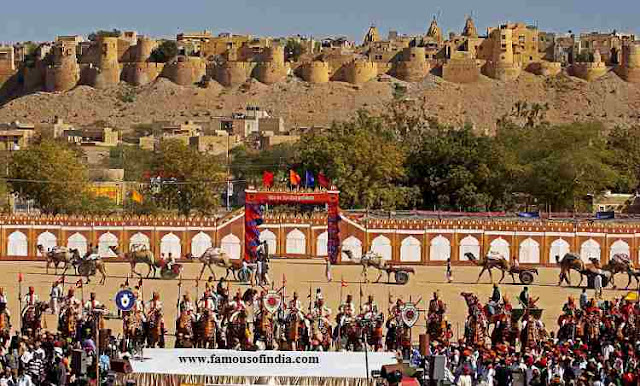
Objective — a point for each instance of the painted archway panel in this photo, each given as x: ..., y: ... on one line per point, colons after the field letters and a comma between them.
x: 410, y: 250
x: 590, y: 249
x: 271, y: 239
x: 559, y: 248
x: 440, y: 249
x: 200, y: 243
x: 620, y: 247
x: 48, y: 241
x: 529, y: 252
x: 231, y: 245
x: 354, y: 245
x: 17, y: 244
x: 500, y: 246
x: 469, y: 244
x: 79, y: 242
x: 170, y: 245
x: 321, y: 244
x: 382, y: 246
x: 139, y: 241
x: 296, y: 243
x: 105, y: 241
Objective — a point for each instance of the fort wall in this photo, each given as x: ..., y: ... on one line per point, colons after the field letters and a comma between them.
x: 185, y: 70
x: 589, y: 71
x: 140, y: 74
x: 545, y: 68
x: 629, y: 68
x: 231, y: 74
x: 462, y: 70
x: 64, y: 73
x: 108, y: 71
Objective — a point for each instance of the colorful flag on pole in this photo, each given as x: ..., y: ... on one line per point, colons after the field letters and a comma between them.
x: 136, y: 196
x: 294, y: 178
x: 309, y: 180
x: 79, y: 283
x: 20, y: 277
x: 323, y: 180
x: 342, y: 282
x: 284, y: 279
x: 267, y: 179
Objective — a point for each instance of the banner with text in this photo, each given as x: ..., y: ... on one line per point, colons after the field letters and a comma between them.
x: 261, y: 363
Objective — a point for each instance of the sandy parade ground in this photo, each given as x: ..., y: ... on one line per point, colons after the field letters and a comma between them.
x: 301, y: 275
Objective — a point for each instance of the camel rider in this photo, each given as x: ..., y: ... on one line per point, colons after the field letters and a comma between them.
x: 396, y: 309
x: 71, y: 302
x: 321, y: 310
x: 494, y: 300
x: 4, y: 303
x: 92, y: 304
x: 235, y: 306
x: 346, y: 310
x: 294, y: 306
x: 187, y: 306
x: 437, y: 307
x: 569, y: 307
x: 170, y: 261
x: 29, y: 300
x: 207, y: 301
x: 370, y: 306
x: 154, y: 307
x: 138, y: 307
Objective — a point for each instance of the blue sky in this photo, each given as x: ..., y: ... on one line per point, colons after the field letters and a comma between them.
x: 44, y: 19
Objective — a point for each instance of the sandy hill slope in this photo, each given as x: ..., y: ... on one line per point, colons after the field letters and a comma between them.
x: 609, y: 99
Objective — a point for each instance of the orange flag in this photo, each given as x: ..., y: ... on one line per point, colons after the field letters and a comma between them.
x: 343, y: 283
x: 136, y: 196
x: 294, y: 178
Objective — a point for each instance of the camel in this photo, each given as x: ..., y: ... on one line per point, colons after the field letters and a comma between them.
x: 217, y: 257
x: 619, y: 263
x: 489, y: 263
x: 89, y: 266
x: 144, y: 256
x: 570, y: 261
x: 369, y: 259
x: 56, y: 256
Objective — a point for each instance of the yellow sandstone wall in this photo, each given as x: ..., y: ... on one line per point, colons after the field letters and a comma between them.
x: 630, y: 64
x: 273, y: 68
x: 64, y: 73
x: 108, y: 71
x: 360, y: 71
x: 185, y: 70
x: 231, y: 74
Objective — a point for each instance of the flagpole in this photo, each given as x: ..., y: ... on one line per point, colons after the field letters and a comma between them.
x: 20, y: 296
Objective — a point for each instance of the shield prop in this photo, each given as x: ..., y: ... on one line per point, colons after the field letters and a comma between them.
x: 410, y: 314
x: 272, y: 301
x: 125, y: 300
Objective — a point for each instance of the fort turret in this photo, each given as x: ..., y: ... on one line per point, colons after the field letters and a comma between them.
x: 629, y: 68
x: 360, y: 71
x: 107, y: 72
x: 315, y: 72
x: 592, y: 70
x: 185, y: 70
x: 501, y: 65
x: 272, y: 68
x: 64, y: 73
x: 413, y: 65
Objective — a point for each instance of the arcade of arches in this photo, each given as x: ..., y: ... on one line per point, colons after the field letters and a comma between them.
x: 427, y: 241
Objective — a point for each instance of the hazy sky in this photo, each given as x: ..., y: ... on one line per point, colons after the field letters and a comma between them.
x: 44, y: 19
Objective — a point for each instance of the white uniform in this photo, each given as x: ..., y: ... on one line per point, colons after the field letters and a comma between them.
x: 29, y: 300
x: 91, y: 305
x: 54, y: 299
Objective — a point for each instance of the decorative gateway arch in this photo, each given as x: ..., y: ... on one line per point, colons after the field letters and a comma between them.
x: 254, y: 199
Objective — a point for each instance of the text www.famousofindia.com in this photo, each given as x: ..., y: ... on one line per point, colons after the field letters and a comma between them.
x: 262, y: 359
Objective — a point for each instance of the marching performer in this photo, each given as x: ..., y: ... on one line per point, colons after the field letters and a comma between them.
x: 4, y: 304
x: 370, y: 306
x: 154, y: 307
x: 294, y: 306
x: 207, y: 301
x: 186, y: 305
x: 55, y: 296
x: 70, y: 301
x: 92, y: 304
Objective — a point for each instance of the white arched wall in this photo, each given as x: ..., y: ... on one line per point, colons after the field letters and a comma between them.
x: 529, y: 252
x: 440, y: 249
x: 620, y: 247
x: 105, y: 241
x: 139, y: 240
x: 231, y: 246
x: 354, y: 245
x: 200, y: 243
x: 79, y: 242
x: 410, y: 250
x: 271, y: 239
x: 17, y: 244
x: 469, y: 244
x: 559, y: 247
x: 590, y: 249
x: 296, y: 243
x: 500, y: 246
x: 321, y: 244
x: 382, y: 246
x: 48, y: 241
x: 170, y: 244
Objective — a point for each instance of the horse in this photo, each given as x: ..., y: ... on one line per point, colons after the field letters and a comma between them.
x: 238, y: 333
x: 184, y: 331
x: 570, y: 261
x: 489, y: 263
x: 295, y: 327
x: 154, y: 330
x: 68, y: 323
x: 532, y: 334
x: 217, y: 257
x: 32, y: 319
x: 144, y: 256
x: 372, y: 328
x: 369, y: 259
x: 56, y: 256
x: 206, y: 330
x: 436, y: 327
x: 133, y: 330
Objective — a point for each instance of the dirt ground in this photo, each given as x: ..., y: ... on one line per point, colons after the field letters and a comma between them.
x: 301, y: 276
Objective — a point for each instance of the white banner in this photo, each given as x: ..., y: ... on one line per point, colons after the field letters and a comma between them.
x: 187, y: 361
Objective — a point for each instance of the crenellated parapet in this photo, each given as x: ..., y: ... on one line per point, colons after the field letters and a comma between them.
x: 272, y: 69
x: 185, y: 70
x: 64, y: 73
x: 231, y: 73
x: 590, y: 71
x: 360, y: 71
x: 316, y: 71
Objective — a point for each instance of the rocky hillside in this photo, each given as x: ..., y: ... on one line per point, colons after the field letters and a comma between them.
x: 608, y: 99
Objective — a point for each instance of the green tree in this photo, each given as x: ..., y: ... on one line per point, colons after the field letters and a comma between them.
x: 51, y: 174
x: 293, y: 50
x: 166, y: 51
x: 135, y: 161
x: 624, y: 145
x: 248, y: 164
x: 114, y: 33
x: 363, y: 159
x: 192, y: 181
